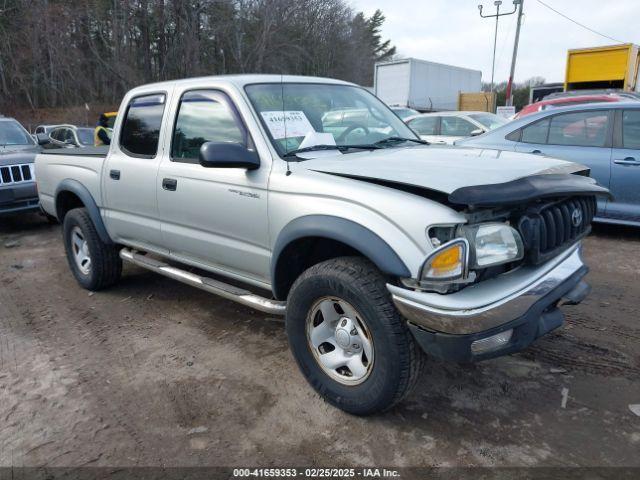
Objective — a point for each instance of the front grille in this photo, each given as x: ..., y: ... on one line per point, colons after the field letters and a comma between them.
x: 16, y: 174
x: 549, y: 228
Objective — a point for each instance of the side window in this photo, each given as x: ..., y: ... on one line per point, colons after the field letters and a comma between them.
x: 68, y: 135
x: 141, y: 127
x: 58, y: 134
x: 631, y: 129
x: 456, y: 127
x: 204, y: 116
x: 583, y: 129
x: 425, y: 125
x: 536, y: 132
x: 514, y: 136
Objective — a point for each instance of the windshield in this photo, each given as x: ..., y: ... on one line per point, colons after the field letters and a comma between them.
x: 12, y: 133
x: 85, y: 135
x: 323, y: 114
x: 488, y: 120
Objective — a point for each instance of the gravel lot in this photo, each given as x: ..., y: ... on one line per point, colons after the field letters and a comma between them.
x: 153, y: 372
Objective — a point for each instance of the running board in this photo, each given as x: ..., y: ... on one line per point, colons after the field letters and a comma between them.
x: 244, y: 297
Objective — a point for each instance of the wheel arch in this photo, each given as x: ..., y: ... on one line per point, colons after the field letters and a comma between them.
x: 322, y: 237
x: 72, y: 194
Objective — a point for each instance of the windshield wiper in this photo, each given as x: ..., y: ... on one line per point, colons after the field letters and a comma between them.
x: 388, y: 140
x: 313, y: 148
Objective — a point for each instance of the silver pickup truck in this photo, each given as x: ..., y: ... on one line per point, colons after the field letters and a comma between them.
x: 309, y: 198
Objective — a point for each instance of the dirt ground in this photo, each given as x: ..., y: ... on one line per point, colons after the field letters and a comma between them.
x: 153, y: 372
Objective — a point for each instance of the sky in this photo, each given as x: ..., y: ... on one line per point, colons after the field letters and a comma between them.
x: 452, y: 32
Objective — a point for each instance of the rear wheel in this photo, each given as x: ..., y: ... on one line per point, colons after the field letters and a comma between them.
x: 94, y: 264
x: 348, y: 339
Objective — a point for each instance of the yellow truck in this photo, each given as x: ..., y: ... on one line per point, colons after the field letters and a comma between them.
x: 613, y: 66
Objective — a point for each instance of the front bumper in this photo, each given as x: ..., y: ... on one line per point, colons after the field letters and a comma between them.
x: 524, y: 301
x: 17, y: 198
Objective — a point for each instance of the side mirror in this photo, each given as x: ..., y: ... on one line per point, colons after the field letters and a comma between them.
x: 43, y: 139
x: 227, y: 155
x: 476, y: 132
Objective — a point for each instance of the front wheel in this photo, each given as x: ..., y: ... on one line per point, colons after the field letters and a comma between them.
x: 348, y: 339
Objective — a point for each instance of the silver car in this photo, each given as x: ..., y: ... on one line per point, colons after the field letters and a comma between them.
x: 444, y: 128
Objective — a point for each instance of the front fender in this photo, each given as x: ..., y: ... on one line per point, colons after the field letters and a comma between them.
x: 75, y: 187
x: 346, y: 231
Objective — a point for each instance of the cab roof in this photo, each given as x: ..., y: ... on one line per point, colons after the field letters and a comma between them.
x: 239, y: 81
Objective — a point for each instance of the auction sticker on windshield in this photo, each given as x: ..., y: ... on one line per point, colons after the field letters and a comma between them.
x: 287, y: 124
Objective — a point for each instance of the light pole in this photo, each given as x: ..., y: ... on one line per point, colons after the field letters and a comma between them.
x: 497, y: 15
x: 509, y: 98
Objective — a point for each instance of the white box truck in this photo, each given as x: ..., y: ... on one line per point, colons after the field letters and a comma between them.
x: 423, y: 85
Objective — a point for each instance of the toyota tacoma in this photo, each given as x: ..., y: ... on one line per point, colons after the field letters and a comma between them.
x: 309, y: 198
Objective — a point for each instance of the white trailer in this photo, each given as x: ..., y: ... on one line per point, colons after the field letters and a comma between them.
x: 423, y: 85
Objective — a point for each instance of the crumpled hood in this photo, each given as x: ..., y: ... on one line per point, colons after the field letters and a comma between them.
x: 442, y: 169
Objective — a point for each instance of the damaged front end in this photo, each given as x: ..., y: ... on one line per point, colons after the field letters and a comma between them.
x: 522, y: 222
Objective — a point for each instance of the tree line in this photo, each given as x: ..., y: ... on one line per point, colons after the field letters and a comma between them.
x: 57, y: 53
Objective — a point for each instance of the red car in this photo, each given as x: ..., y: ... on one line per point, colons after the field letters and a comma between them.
x: 565, y: 102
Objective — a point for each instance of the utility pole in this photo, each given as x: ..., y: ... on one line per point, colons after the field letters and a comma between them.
x: 515, y: 52
x: 497, y: 15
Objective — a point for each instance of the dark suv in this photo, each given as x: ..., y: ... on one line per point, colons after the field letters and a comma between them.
x: 18, y: 150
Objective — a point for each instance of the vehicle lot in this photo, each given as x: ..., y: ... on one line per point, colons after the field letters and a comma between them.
x: 153, y: 372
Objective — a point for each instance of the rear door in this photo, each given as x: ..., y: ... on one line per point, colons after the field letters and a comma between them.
x: 625, y: 168
x: 583, y: 137
x: 129, y: 177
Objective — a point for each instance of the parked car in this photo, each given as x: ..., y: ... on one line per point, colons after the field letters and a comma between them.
x: 605, y: 137
x: 18, y: 150
x: 70, y: 136
x: 373, y: 245
x: 564, y: 101
x: 404, y: 112
x: 44, y: 129
x: 629, y: 95
x: 446, y: 127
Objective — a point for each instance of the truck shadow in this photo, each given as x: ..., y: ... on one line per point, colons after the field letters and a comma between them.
x: 616, y: 232
x: 23, y: 223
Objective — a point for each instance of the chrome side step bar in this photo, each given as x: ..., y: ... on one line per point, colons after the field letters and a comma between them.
x: 244, y: 297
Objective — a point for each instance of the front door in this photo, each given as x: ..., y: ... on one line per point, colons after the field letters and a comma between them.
x: 215, y: 218
x: 625, y: 168
x: 129, y: 177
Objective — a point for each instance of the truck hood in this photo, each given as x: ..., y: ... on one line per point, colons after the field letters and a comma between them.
x: 441, y: 169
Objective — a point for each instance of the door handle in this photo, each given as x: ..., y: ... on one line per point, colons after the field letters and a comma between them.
x: 170, y: 184
x: 115, y: 174
x: 626, y: 161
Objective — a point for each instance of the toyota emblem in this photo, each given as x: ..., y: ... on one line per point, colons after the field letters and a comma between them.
x: 576, y: 217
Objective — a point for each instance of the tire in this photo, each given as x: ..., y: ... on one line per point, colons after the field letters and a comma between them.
x: 104, y: 266
x: 352, y: 286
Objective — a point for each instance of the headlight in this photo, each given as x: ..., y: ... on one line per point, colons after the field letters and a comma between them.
x: 446, y: 263
x: 493, y: 244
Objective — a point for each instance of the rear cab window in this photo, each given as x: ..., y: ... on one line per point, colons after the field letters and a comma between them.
x: 140, y: 130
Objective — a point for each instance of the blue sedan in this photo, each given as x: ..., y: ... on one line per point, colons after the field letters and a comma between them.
x: 603, y: 136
